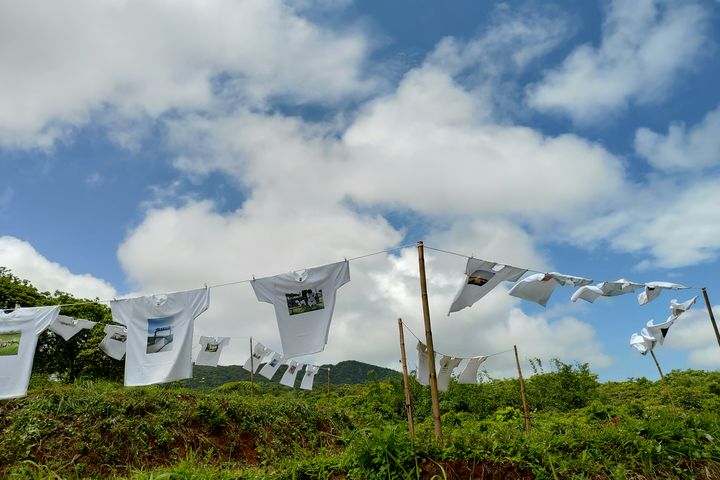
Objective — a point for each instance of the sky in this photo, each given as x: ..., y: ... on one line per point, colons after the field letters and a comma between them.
x: 151, y: 146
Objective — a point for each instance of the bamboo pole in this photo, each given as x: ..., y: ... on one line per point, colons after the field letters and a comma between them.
x: 406, y: 381
x: 252, y: 367
x: 434, y: 395
x: 328, y: 380
x: 712, y: 317
x: 526, y: 412
x: 662, y: 377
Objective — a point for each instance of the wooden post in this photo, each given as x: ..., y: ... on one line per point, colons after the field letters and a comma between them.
x: 406, y: 381
x: 328, y: 380
x: 252, y: 367
x: 662, y: 377
x: 526, y: 412
x: 434, y: 395
x: 712, y: 317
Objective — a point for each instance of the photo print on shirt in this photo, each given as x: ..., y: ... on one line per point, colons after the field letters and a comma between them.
x: 292, y: 369
x: 211, y: 347
x: 10, y: 343
x: 306, y: 301
x: 160, y: 335
x: 119, y: 337
x: 480, y: 277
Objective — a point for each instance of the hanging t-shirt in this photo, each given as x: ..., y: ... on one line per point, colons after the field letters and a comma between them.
x: 659, y: 332
x: 160, y: 330
x: 269, y: 369
x: 68, y: 327
x: 590, y: 293
x: 447, y: 365
x: 677, y: 309
x: 481, y: 278
x: 469, y: 373
x: 539, y: 287
x: 259, y: 352
x: 304, y: 302
x: 114, y: 342
x: 652, y: 291
x: 288, y: 379
x: 422, y: 374
x: 309, y: 377
x: 210, y: 349
x: 19, y: 331
x: 641, y: 343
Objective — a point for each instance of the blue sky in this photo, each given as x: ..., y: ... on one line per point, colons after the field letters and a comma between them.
x: 150, y: 148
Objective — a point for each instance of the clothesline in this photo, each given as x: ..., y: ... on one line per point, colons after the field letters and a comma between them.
x: 418, y: 339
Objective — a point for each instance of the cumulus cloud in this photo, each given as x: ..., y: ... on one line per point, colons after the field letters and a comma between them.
x: 682, y: 148
x: 144, y: 58
x: 27, y: 263
x: 645, y: 46
x: 694, y: 332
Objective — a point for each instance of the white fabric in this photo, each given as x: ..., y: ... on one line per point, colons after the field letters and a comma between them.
x: 469, y: 373
x: 288, y: 379
x: 19, y: 331
x: 114, y: 342
x: 652, y: 290
x: 539, y: 287
x: 68, y: 327
x: 309, y: 377
x: 659, y: 332
x: 641, y: 343
x: 480, y: 278
x: 447, y: 365
x: 269, y: 369
x: 210, y: 350
x: 160, y: 330
x: 590, y: 293
x: 677, y: 309
x: 304, y: 302
x: 422, y: 374
x: 259, y: 352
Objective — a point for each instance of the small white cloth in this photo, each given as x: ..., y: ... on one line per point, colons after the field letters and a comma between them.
x: 447, y: 365
x: 652, y: 291
x: 422, y: 374
x: 469, y: 373
x: 641, y: 343
x: 68, y: 327
x: 115, y: 341
x: 590, y: 293
x: 288, y: 379
x: 659, y: 332
x: 677, y: 309
x: 269, y: 369
x: 259, y: 352
x: 480, y: 278
x: 210, y: 350
x: 539, y: 287
x: 309, y: 377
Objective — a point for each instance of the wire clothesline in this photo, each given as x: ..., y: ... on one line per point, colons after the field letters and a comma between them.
x: 418, y: 339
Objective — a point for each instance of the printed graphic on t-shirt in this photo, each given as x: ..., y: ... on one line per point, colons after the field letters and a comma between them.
x: 305, y: 301
x: 119, y: 337
x: 292, y: 369
x: 160, y: 335
x: 274, y: 362
x: 9, y: 343
x: 480, y: 277
x: 211, y: 347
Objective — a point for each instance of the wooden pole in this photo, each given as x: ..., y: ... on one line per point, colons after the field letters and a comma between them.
x: 712, y: 317
x: 406, y: 381
x: 662, y: 377
x: 526, y: 412
x: 434, y: 395
x: 252, y: 367
x: 328, y: 380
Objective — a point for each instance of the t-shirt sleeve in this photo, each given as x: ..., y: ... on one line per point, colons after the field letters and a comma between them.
x: 46, y: 316
x: 198, y: 301
x: 343, y: 274
x: 263, y: 289
x: 122, y: 310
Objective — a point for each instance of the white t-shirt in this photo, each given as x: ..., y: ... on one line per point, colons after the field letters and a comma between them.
x: 210, y: 350
x: 591, y: 293
x: 68, y: 327
x: 539, y: 287
x: 259, y: 352
x: 19, y: 332
x: 160, y: 330
x: 641, y: 343
x: 422, y: 373
x: 288, y: 379
x: 269, y: 369
x: 114, y: 342
x: 652, y: 291
x: 659, y: 332
x: 481, y: 277
x: 447, y: 365
x: 304, y: 303
x: 309, y: 377
x: 677, y: 309
x: 469, y: 373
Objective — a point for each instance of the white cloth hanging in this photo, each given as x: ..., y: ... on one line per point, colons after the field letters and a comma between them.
x: 677, y: 309
x: 68, y: 327
x: 259, y: 352
x: 642, y: 343
x: 210, y: 350
x: 115, y: 341
x: 480, y: 278
x: 652, y: 290
x: 590, y: 293
x: 447, y: 365
x: 659, y: 332
x: 269, y: 369
x: 469, y: 373
x: 539, y: 287
x: 288, y: 379
x: 309, y: 377
x: 422, y: 374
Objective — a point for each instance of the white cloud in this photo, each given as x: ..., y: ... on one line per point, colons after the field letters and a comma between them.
x: 682, y: 149
x: 25, y: 262
x: 64, y: 61
x: 645, y: 45
x: 694, y: 332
